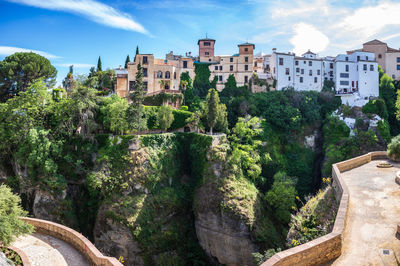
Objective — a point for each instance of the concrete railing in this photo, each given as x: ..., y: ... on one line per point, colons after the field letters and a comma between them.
x: 77, y: 240
x: 328, y: 247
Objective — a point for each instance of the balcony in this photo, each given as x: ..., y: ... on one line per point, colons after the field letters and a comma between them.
x: 346, y: 92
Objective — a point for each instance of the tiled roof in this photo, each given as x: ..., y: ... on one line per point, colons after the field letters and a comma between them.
x: 246, y: 44
x: 374, y: 42
x: 308, y: 52
x: 206, y: 39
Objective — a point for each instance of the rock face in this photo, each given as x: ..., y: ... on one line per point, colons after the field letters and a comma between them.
x: 45, y: 205
x: 115, y: 239
x: 225, y: 239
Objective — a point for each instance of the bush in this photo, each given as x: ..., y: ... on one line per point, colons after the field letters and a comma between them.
x: 184, y: 108
x: 394, y: 148
x: 384, y: 130
x: 10, y: 211
x: 165, y: 117
x: 376, y: 107
x: 180, y: 117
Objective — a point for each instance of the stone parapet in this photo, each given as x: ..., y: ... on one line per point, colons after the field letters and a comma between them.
x: 77, y: 240
x: 328, y: 247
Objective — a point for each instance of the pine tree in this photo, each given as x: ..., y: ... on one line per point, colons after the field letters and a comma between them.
x: 135, y: 112
x: 212, y: 104
x: 71, y: 69
x: 99, y: 68
x: 92, y: 72
x: 127, y: 60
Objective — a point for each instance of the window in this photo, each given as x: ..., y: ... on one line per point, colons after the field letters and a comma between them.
x: 331, y: 65
x: 318, y: 72
x: 371, y: 68
x: 207, y: 44
x: 246, y: 67
x: 287, y: 71
x: 347, y: 58
x: 209, y: 60
x: 344, y: 75
x: 297, y: 63
x: 246, y: 79
x: 347, y: 68
x: 144, y: 60
x: 310, y: 72
x: 220, y: 78
x: 301, y: 79
x: 231, y: 68
x: 379, y: 56
x: 305, y: 62
x: 145, y: 85
x: 315, y: 80
x: 159, y: 74
x: 366, y: 57
x: 302, y: 71
x: 274, y: 70
x: 184, y: 64
x: 297, y: 70
x: 216, y: 67
x: 167, y: 75
x: 398, y: 59
x: 352, y: 84
x: 344, y: 82
x: 288, y: 78
x: 310, y: 63
x: 365, y: 67
x: 131, y: 85
x: 207, y: 53
x: 255, y: 64
x: 231, y: 59
x: 393, y: 76
x: 144, y: 72
x: 246, y: 49
x: 246, y: 59
x: 220, y: 67
x: 174, y: 75
x: 398, y: 67
x: 358, y: 58
x: 281, y: 61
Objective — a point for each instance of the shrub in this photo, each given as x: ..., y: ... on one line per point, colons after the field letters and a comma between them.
x: 394, y: 148
x: 384, y: 130
x: 180, y: 117
x: 376, y: 107
x: 10, y: 211
x: 184, y: 108
x: 165, y: 117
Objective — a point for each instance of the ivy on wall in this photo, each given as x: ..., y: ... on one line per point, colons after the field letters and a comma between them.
x: 159, y: 99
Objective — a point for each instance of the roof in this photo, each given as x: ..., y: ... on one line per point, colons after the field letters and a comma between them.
x: 392, y: 50
x: 374, y: 42
x: 309, y: 52
x: 205, y: 39
x: 247, y: 44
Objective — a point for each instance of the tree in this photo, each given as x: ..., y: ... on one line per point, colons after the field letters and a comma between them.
x: 387, y: 91
x: 165, y: 117
x: 92, y: 72
x: 10, y: 212
x: 137, y: 50
x: 282, y: 196
x: 114, y: 113
x: 212, y: 104
x: 99, y: 68
x: 18, y: 71
x: 186, y: 87
x: 201, y: 83
x: 136, y: 113
x: 68, y: 82
x: 127, y: 60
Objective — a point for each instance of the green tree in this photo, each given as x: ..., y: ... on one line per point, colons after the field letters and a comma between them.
x: 212, y: 104
x: 387, y: 91
x: 201, y: 83
x: 165, y: 117
x: 10, y: 212
x: 68, y: 82
x: 136, y: 113
x: 114, y: 111
x: 137, y: 50
x: 18, y: 71
x: 186, y: 87
x: 127, y: 60
x: 92, y: 72
x: 99, y: 67
x: 282, y: 196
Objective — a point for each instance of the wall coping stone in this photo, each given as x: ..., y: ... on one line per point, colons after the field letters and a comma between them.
x: 296, y: 255
x: 77, y: 240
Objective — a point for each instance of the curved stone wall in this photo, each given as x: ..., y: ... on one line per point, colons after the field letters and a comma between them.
x: 81, y: 243
x: 328, y: 247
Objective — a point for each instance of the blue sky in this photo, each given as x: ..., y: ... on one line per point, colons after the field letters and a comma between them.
x: 78, y: 31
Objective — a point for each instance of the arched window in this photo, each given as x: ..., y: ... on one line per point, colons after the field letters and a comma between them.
x: 159, y: 74
x: 167, y: 75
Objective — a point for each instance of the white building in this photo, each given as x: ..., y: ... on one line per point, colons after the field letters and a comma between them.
x: 355, y: 76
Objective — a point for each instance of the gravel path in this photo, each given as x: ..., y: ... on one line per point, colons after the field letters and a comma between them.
x: 45, y: 250
x: 374, y: 211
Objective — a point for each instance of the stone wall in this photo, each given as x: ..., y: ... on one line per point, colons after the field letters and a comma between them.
x: 81, y: 243
x: 328, y: 247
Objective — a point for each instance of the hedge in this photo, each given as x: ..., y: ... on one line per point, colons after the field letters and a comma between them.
x: 180, y: 117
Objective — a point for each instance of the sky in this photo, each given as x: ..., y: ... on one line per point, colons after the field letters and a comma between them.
x: 77, y: 32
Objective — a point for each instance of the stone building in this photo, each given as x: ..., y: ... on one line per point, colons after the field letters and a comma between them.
x: 241, y: 65
x: 388, y: 58
x: 159, y: 75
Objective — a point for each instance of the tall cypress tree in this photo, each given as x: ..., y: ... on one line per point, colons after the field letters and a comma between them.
x: 127, y: 60
x: 99, y: 68
x: 137, y: 50
x: 212, y: 103
x: 135, y: 112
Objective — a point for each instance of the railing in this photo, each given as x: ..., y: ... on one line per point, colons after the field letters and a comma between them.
x: 77, y: 240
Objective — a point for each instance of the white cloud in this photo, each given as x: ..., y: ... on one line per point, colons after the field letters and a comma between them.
x: 76, y: 65
x: 93, y: 10
x: 8, y: 50
x: 307, y: 37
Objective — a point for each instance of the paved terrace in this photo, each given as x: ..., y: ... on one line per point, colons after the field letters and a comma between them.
x: 373, y: 213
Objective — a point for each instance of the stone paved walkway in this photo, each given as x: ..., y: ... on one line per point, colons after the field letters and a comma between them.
x: 49, y: 251
x: 373, y: 214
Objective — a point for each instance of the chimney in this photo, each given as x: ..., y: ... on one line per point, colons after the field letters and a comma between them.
x: 274, y: 50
